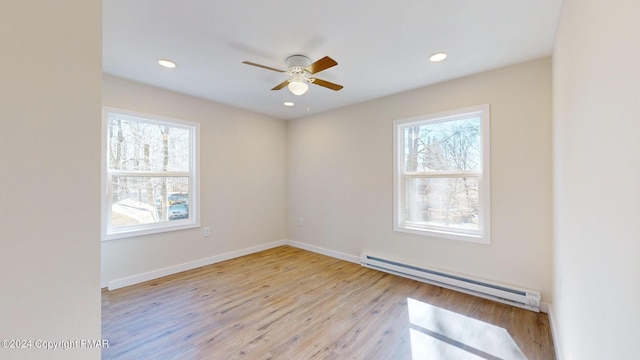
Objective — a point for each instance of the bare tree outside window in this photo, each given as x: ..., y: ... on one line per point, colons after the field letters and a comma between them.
x: 440, y: 171
x: 432, y: 152
x: 149, y: 171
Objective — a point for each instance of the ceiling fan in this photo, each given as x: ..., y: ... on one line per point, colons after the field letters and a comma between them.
x: 300, y: 68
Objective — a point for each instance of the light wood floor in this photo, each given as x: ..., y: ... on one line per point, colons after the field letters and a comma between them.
x: 287, y: 303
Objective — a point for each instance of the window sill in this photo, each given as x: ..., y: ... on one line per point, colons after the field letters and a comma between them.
x: 149, y: 231
x: 444, y: 234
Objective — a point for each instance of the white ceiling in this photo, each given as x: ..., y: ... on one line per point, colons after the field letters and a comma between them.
x: 382, y: 47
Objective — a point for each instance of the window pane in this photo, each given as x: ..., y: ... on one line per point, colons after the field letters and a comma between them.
x: 136, y: 145
x: 445, y: 202
x: 449, y: 146
x: 146, y: 200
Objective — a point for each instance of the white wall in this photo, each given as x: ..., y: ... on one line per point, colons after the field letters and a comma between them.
x: 242, y: 163
x: 339, y: 177
x: 596, y: 92
x: 50, y: 75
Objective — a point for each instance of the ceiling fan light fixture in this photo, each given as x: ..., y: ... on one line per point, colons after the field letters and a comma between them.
x: 298, y: 87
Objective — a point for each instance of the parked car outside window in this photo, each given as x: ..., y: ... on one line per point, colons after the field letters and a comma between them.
x: 178, y: 198
x: 178, y: 211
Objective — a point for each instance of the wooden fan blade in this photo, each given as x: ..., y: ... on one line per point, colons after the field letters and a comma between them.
x: 322, y: 64
x: 327, y: 84
x: 281, y: 85
x: 262, y: 66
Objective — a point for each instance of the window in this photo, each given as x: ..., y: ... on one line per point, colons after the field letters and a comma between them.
x: 441, y: 182
x: 149, y: 174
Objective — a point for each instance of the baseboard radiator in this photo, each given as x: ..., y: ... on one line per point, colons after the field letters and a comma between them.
x: 523, y: 298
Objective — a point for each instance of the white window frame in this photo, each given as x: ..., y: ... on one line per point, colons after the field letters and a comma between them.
x: 111, y: 233
x: 483, y: 234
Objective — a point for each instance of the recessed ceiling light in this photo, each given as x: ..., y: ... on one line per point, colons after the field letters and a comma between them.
x: 167, y: 63
x: 288, y: 103
x: 438, y: 57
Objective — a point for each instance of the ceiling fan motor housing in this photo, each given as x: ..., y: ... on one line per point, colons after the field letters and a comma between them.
x: 297, y: 63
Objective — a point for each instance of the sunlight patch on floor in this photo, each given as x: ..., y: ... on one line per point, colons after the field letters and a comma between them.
x: 438, y: 333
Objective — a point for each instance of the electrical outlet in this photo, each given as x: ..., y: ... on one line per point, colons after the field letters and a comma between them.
x: 300, y: 222
x: 207, y: 231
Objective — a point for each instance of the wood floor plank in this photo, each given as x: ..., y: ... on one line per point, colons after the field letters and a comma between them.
x: 287, y: 303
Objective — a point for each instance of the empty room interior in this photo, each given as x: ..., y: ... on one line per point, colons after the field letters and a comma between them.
x: 303, y: 182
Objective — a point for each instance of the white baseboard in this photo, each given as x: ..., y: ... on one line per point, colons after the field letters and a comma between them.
x: 544, y: 307
x: 155, y: 274
x: 323, y: 251
x: 139, y: 278
x: 554, y: 331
